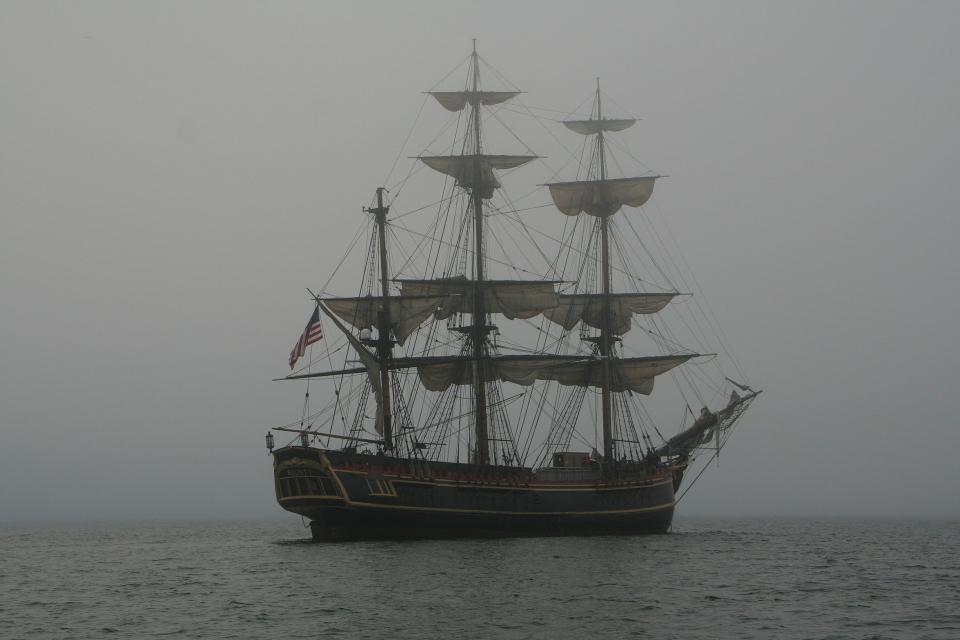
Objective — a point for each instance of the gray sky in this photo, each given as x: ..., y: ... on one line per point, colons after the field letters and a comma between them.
x: 172, y: 175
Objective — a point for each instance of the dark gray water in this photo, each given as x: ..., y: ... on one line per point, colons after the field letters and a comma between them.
x: 709, y: 579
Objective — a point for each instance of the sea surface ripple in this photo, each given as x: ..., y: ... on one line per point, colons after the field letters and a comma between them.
x: 710, y: 578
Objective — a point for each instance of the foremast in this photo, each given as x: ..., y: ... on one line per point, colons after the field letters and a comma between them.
x: 474, y: 172
x: 384, y: 343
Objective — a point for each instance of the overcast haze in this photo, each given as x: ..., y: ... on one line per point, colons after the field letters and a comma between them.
x: 173, y: 175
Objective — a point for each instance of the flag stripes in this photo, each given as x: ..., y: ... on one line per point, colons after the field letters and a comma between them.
x: 312, y: 333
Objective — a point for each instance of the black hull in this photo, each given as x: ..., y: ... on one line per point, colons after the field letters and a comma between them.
x: 334, y: 524
x: 360, y: 497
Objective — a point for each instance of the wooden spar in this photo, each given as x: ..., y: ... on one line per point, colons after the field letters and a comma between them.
x: 327, y: 435
x: 479, y: 313
x: 322, y: 374
x: 695, y: 431
x: 605, y: 350
x: 384, y: 344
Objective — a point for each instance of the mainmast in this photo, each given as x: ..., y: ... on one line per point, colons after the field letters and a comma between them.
x: 479, y: 313
x: 384, y: 342
x: 605, y: 337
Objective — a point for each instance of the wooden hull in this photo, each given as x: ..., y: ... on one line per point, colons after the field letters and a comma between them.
x: 351, y: 496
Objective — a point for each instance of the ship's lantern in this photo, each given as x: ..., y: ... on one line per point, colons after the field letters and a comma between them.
x: 269, y: 441
x: 304, y: 440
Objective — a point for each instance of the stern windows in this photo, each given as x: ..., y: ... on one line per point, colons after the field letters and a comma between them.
x: 295, y: 484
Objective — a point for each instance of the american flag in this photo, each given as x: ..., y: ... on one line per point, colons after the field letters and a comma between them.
x: 312, y: 333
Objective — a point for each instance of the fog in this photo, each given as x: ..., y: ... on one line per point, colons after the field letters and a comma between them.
x: 174, y: 175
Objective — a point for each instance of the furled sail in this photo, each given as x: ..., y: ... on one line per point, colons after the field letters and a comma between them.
x: 627, y: 374
x: 465, y: 171
x: 457, y: 100
x: 588, y: 308
x: 512, y: 298
x: 406, y: 312
x: 601, y: 198
x: 588, y: 127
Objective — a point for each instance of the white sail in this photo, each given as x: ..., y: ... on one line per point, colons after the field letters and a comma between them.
x: 370, y: 364
x: 627, y: 374
x: 457, y: 100
x: 601, y: 198
x: 406, y: 312
x: 512, y: 298
x: 466, y: 171
x: 588, y: 308
x: 588, y: 127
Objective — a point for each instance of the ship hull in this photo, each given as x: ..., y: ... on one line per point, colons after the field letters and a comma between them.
x: 331, y: 524
x: 356, y: 497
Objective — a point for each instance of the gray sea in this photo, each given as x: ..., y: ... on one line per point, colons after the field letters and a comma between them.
x: 710, y: 578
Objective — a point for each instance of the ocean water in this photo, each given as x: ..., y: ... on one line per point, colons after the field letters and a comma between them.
x: 710, y: 578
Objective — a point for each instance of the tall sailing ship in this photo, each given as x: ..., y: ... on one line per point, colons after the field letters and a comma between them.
x: 440, y: 425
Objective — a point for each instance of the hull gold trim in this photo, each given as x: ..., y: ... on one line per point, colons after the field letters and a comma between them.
x: 506, y: 487
x: 659, y: 507
x: 310, y: 497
